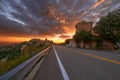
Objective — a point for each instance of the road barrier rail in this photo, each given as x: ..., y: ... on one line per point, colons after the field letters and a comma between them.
x: 19, y: 72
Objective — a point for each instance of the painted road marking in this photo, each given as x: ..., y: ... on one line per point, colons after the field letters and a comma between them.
x: 99, y: 57
x: 64, y: 73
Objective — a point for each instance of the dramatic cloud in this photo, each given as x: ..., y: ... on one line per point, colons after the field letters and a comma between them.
x: 29, y: 18
x: 97, y: 3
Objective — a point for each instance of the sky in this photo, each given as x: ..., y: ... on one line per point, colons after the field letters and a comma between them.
x: 21, y: 20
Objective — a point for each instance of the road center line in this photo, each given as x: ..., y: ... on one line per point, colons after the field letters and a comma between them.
x: 99, y: 57
x: 64, y: 73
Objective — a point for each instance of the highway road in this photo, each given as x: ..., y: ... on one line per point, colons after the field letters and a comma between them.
x: 63, y: 63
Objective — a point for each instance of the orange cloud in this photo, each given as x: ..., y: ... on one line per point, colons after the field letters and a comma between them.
x: 69, y: 30
x: 57, y: 38
x: 98, y: 3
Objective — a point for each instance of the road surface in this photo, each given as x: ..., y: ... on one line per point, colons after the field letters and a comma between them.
x: 63, y: 63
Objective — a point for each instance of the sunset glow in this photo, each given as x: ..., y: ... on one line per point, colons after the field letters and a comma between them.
x: 13, y: 39
x: 52, y: 19
x: 56, y: 39
x: 21, y: 39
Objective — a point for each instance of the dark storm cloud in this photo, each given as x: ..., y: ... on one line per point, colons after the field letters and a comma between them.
x: 32, y: 16
x: 7, y: 26
x: 47, y: 17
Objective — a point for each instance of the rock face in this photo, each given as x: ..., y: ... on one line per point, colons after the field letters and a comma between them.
x: 72, y: 43
x: 86, y: 26
x: 107, y: 45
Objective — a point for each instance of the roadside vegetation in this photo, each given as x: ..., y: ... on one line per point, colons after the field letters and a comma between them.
x: 106, y: 29
x: 84, y: 36
x: 13, y: 55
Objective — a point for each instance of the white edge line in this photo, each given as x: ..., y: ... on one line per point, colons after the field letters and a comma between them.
x: 64, y: 73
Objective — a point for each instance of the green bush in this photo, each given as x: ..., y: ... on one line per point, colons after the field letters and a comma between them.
x: 15, y: 57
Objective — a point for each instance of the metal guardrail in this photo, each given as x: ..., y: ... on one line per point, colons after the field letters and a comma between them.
x: 21, y: 70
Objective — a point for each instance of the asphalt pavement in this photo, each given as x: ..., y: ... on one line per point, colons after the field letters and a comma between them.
x: 64, y: 63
